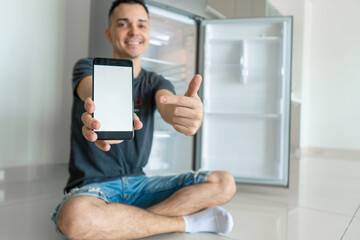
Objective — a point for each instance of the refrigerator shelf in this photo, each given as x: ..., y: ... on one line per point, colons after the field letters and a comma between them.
x: 266, y: 170
x: 227, y: 39
x: 214, y: 67
x: 243, y: 114
x: 160, y: 63
x: 162, y: 134
x: 174, y: 79
x: 212, y: 64
x: 163, y: 67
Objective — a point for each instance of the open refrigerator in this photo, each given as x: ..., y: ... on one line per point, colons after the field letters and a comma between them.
x: 246, y: 64
x: 246, y: 89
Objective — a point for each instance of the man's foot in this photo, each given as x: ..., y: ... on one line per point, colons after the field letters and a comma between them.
x: 214, y: 219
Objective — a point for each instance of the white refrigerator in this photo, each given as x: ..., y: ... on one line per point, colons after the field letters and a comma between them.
x: 246, y: 89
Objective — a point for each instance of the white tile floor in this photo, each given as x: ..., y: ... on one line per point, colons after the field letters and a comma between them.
x: 323, y: 196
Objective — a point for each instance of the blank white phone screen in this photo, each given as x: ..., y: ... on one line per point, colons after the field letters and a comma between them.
x: 113, y: 97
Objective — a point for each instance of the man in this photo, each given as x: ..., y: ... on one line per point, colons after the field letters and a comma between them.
x: 107, y: 195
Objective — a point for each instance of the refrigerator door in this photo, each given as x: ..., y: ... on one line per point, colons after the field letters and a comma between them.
x: 246, y: 67
x: 171, y: 53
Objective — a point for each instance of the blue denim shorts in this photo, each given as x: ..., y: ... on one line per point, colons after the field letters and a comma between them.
x: 140, y: 191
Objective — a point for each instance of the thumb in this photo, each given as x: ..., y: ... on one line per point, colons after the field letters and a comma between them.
x: 194, y: 86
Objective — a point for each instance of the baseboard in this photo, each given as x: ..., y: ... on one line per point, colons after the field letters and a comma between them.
x: 349, y: 154
x: 33, y: 172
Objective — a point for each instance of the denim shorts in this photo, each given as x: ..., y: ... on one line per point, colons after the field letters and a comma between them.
x: 139, y: 191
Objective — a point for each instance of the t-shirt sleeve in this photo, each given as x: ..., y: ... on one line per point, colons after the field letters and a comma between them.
x: 164, y: 84
x: 82, y: 69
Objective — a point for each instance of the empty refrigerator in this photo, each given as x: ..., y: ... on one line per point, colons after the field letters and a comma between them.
x: 246, y: 65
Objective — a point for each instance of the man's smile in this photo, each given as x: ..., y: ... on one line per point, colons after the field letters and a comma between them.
x: 133, y: 42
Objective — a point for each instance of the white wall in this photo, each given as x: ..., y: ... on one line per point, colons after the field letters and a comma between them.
x: 330, y: 73
x: 331, y: 109
x: 40, y: 41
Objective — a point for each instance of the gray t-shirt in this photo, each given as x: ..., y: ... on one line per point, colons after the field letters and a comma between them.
x: 88, y: 163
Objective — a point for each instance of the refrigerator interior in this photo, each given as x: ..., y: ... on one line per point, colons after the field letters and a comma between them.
x: 246, y: 94
x: 171, y: 53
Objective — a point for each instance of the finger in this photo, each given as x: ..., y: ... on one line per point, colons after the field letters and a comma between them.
x: 179, y: 101
x: 103, y: 145
x: 136, y: 117
x: 137, y: 123
x: 187, y: 113
x: 89, y: 121
x: 194, y: 86
x: 184, y: 130
x: 113, y: 141
x: 89, y: 105
x: 185, y: 122
x: 89, y: 134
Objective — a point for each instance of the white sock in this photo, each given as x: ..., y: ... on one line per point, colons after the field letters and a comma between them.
x: 214, y: 219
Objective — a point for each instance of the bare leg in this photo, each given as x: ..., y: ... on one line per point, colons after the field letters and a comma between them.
x: 86, y: 217
x: 219, y: 188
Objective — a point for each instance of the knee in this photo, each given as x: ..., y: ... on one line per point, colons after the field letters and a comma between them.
x: 225, y: 183
x: 74, y: 219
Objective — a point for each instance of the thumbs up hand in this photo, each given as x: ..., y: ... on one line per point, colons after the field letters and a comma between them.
x: 187, y: 114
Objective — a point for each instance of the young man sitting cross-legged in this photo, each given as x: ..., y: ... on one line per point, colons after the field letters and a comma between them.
x: 108, y: 195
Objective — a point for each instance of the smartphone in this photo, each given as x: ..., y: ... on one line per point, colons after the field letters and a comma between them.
x: 112, y: 93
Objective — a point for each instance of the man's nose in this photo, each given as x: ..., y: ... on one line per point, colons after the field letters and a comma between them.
x: 134, y: 30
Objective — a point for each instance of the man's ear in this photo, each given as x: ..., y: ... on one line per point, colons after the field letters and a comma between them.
x: 108, y: 34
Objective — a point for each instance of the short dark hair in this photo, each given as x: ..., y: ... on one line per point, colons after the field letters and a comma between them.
x: 118, y: 2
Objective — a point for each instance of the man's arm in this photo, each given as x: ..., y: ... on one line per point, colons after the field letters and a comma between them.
x: 184, y: 113
x: 84, y: 89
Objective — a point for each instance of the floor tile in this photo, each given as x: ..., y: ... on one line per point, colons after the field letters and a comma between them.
x: 29, y: 220
x: 353, y: 232
x: 353, y: 229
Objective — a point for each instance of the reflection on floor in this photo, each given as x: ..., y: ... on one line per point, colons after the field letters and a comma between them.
x: 323, y: 196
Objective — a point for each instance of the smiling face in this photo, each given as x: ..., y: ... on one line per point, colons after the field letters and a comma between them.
x: 129, y: 31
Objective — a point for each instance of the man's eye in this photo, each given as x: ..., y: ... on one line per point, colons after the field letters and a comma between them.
x: 122, y: 24
x: 142, y: 26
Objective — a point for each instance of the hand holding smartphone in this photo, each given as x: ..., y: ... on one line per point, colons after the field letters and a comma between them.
x: 112, y: 94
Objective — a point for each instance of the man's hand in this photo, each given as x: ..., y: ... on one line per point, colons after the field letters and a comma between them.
x: 91, y: 124
x: 187, y: 115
